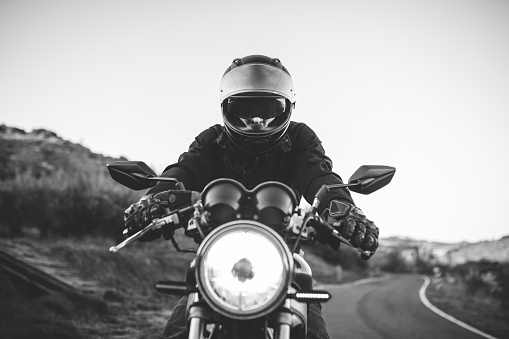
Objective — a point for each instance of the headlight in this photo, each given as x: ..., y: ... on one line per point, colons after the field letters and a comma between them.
x: 244, y: 269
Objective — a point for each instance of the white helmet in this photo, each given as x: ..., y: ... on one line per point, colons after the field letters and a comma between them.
x: 257, y: 98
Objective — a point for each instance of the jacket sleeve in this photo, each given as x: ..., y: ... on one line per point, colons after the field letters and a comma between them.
x: 313, y: 168
x: 196, y: 167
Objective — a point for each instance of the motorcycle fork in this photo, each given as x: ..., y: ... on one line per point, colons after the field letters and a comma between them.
x: 290, y: 320
x: 283, y: 325
x: 282, y: 322
x: 199, y: 315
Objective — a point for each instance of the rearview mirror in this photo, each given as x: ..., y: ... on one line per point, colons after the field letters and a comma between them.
x: 370, y: 178
x: 132, y: 174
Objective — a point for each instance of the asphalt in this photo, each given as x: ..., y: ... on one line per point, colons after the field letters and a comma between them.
x: 387, y: 308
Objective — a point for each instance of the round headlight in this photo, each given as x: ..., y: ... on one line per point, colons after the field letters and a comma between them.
x: 244, y: 269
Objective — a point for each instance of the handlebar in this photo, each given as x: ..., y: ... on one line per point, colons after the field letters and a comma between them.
x: 326, y: 233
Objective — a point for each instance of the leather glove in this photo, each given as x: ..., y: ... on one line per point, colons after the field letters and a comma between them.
x: 352, y: 224
x: 141, y: 214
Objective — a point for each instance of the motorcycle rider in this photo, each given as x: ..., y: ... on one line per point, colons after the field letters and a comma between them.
x: 256, y: 143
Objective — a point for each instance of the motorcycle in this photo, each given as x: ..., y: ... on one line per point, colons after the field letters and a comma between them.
x: 249, y: 278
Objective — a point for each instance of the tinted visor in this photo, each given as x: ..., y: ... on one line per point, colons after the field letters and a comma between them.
x: 247, y: 108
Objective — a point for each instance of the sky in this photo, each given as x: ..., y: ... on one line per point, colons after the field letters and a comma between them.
x: 419, y: 85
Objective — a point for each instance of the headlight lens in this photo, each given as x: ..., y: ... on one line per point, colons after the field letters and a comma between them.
x: 244, y: 269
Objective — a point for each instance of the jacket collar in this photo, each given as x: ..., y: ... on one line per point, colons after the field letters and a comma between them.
x: 223, y: 141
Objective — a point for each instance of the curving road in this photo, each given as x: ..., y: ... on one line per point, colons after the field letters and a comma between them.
x: 388, y: 309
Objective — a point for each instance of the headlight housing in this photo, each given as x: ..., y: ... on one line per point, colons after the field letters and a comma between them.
x: 244, y: 269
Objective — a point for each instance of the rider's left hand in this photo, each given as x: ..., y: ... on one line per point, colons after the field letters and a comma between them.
x: 352, y: 224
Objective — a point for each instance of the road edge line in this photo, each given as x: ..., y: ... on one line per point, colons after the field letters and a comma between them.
x: 428, y: 304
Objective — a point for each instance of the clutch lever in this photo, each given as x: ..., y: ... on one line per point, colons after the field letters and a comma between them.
x: 155, y: 225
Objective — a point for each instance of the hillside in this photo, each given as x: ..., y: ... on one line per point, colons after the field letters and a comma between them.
x: 496, y: 251
x: 447, y: 253
x: 53, y: 187
x: 42, y: 152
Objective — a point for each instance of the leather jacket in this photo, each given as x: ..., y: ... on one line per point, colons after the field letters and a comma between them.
x: 298, y: 161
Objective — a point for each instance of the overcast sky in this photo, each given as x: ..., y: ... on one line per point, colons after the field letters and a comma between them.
x: 419, y: 85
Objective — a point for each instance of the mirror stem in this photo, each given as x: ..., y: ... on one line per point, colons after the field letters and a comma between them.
x: 159, y: 179
x: 356, y: 183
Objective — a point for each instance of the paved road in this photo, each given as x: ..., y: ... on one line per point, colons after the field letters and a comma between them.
x: 388, y: 309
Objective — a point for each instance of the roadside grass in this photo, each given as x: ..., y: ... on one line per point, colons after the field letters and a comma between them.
x: 479, y: 310
x: 128, y: 304
x: 27, y: 314
x: 129, y: 277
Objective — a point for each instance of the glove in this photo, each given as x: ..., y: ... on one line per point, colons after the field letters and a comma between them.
x: 352, y: 224
x: 141, y: 214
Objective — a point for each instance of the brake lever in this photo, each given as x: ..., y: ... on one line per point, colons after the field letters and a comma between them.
x: 155, y: 225
x: 333, y: 232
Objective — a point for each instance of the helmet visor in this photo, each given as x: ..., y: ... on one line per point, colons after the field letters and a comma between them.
x: 256, y: 114
x: 256, y: 107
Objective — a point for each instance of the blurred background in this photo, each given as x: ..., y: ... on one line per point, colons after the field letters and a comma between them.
x: 422, y: 86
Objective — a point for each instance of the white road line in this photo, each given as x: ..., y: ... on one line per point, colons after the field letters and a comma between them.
x: 425, y: 301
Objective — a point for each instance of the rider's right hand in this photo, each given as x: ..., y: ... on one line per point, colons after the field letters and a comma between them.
x: 352, y: 224
x: 141, y: 214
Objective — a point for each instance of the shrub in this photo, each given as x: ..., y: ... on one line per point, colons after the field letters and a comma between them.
x: 485, y: 278
x: 59, y: 204
x: 395, y: 263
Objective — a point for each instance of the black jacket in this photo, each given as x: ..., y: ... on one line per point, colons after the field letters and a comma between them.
x: 298, y: 161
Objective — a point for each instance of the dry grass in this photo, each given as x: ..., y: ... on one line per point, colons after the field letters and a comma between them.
x: 478, y: 310
x: 129, y: 305
x: 60, y: 205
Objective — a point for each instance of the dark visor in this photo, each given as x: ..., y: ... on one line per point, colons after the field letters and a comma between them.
x: 264, y: 108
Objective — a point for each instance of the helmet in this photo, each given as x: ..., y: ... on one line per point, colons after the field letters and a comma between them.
x: 257, y: 98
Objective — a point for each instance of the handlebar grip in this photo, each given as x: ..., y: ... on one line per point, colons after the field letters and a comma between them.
x: 335, y: 240
x: 327, y: 234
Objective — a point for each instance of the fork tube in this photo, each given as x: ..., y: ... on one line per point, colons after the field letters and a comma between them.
x: 283, y: 321
x: 196, y: 327
x: 282, y: 331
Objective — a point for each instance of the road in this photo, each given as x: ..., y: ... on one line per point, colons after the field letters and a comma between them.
x: 388, y: 309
